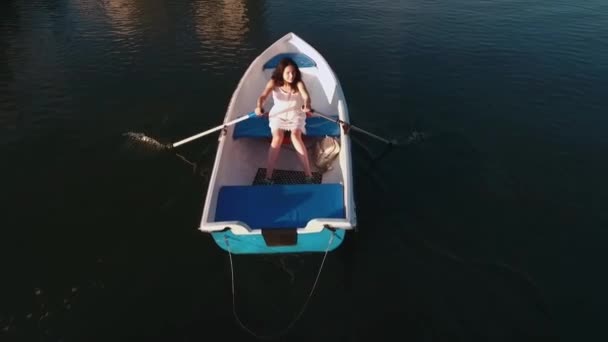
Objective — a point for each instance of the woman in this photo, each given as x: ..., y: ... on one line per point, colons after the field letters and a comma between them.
x: 291, y: 103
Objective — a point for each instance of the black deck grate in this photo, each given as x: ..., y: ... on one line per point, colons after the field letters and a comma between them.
x: 286, y: 177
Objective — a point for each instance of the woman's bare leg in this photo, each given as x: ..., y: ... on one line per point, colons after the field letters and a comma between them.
x: 273, y: 151
x: 298, y: 144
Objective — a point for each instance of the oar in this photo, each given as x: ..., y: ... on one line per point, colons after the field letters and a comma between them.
x: 154, y: 143
x: 346, y: 126
x: 209, y: 131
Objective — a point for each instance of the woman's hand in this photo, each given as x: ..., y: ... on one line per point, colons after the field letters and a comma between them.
x: 307, y: 110
x: 259, y: 111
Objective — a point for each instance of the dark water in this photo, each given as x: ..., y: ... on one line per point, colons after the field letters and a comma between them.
x: 489, y: 226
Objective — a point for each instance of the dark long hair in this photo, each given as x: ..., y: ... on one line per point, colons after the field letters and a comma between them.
x: 277, y: 75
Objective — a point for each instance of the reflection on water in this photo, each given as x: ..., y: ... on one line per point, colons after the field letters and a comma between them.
x: 221, y: 29
x: 122, y: 15
x: 221, y: 22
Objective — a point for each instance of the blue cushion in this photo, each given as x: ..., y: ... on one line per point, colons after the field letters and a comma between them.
x: 257, y: 127
x: 301, y: 60
x: 279, y: 206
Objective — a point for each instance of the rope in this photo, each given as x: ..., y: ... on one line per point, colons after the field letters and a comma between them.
x: 297, y: 317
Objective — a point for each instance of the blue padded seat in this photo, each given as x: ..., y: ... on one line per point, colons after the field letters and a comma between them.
x: 257, y: 127
x: 279, y: 206
x: 301, y: 60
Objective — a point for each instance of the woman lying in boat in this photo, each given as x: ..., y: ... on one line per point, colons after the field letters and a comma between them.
x: 291, y: 103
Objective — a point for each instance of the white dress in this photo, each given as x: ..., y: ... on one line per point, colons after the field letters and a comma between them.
x: 286, y: 112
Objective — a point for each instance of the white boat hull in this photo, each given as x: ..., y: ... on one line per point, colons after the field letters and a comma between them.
x: 238, y: 160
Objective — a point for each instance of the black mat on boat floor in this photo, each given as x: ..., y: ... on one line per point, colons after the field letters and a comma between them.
x: 286, y: 177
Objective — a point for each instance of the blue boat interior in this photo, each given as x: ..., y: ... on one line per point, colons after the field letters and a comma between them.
x: 279, y: 206
x: 257, y: 127
x: 301, y: 60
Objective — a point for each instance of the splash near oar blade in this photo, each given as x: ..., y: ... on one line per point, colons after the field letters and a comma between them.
x: 152, y: 144
x: 144, y: 141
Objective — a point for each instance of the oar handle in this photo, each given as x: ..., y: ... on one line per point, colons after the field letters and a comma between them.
x: 348, y: 126
x: 209, y: 131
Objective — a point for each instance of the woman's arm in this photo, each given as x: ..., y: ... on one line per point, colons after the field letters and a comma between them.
x: 305, y: 96
x: 259, y: 110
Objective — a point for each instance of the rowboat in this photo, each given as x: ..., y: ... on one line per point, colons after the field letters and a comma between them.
x: 291, y: 215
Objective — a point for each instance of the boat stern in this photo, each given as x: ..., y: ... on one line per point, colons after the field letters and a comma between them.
x: 279, y: 241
